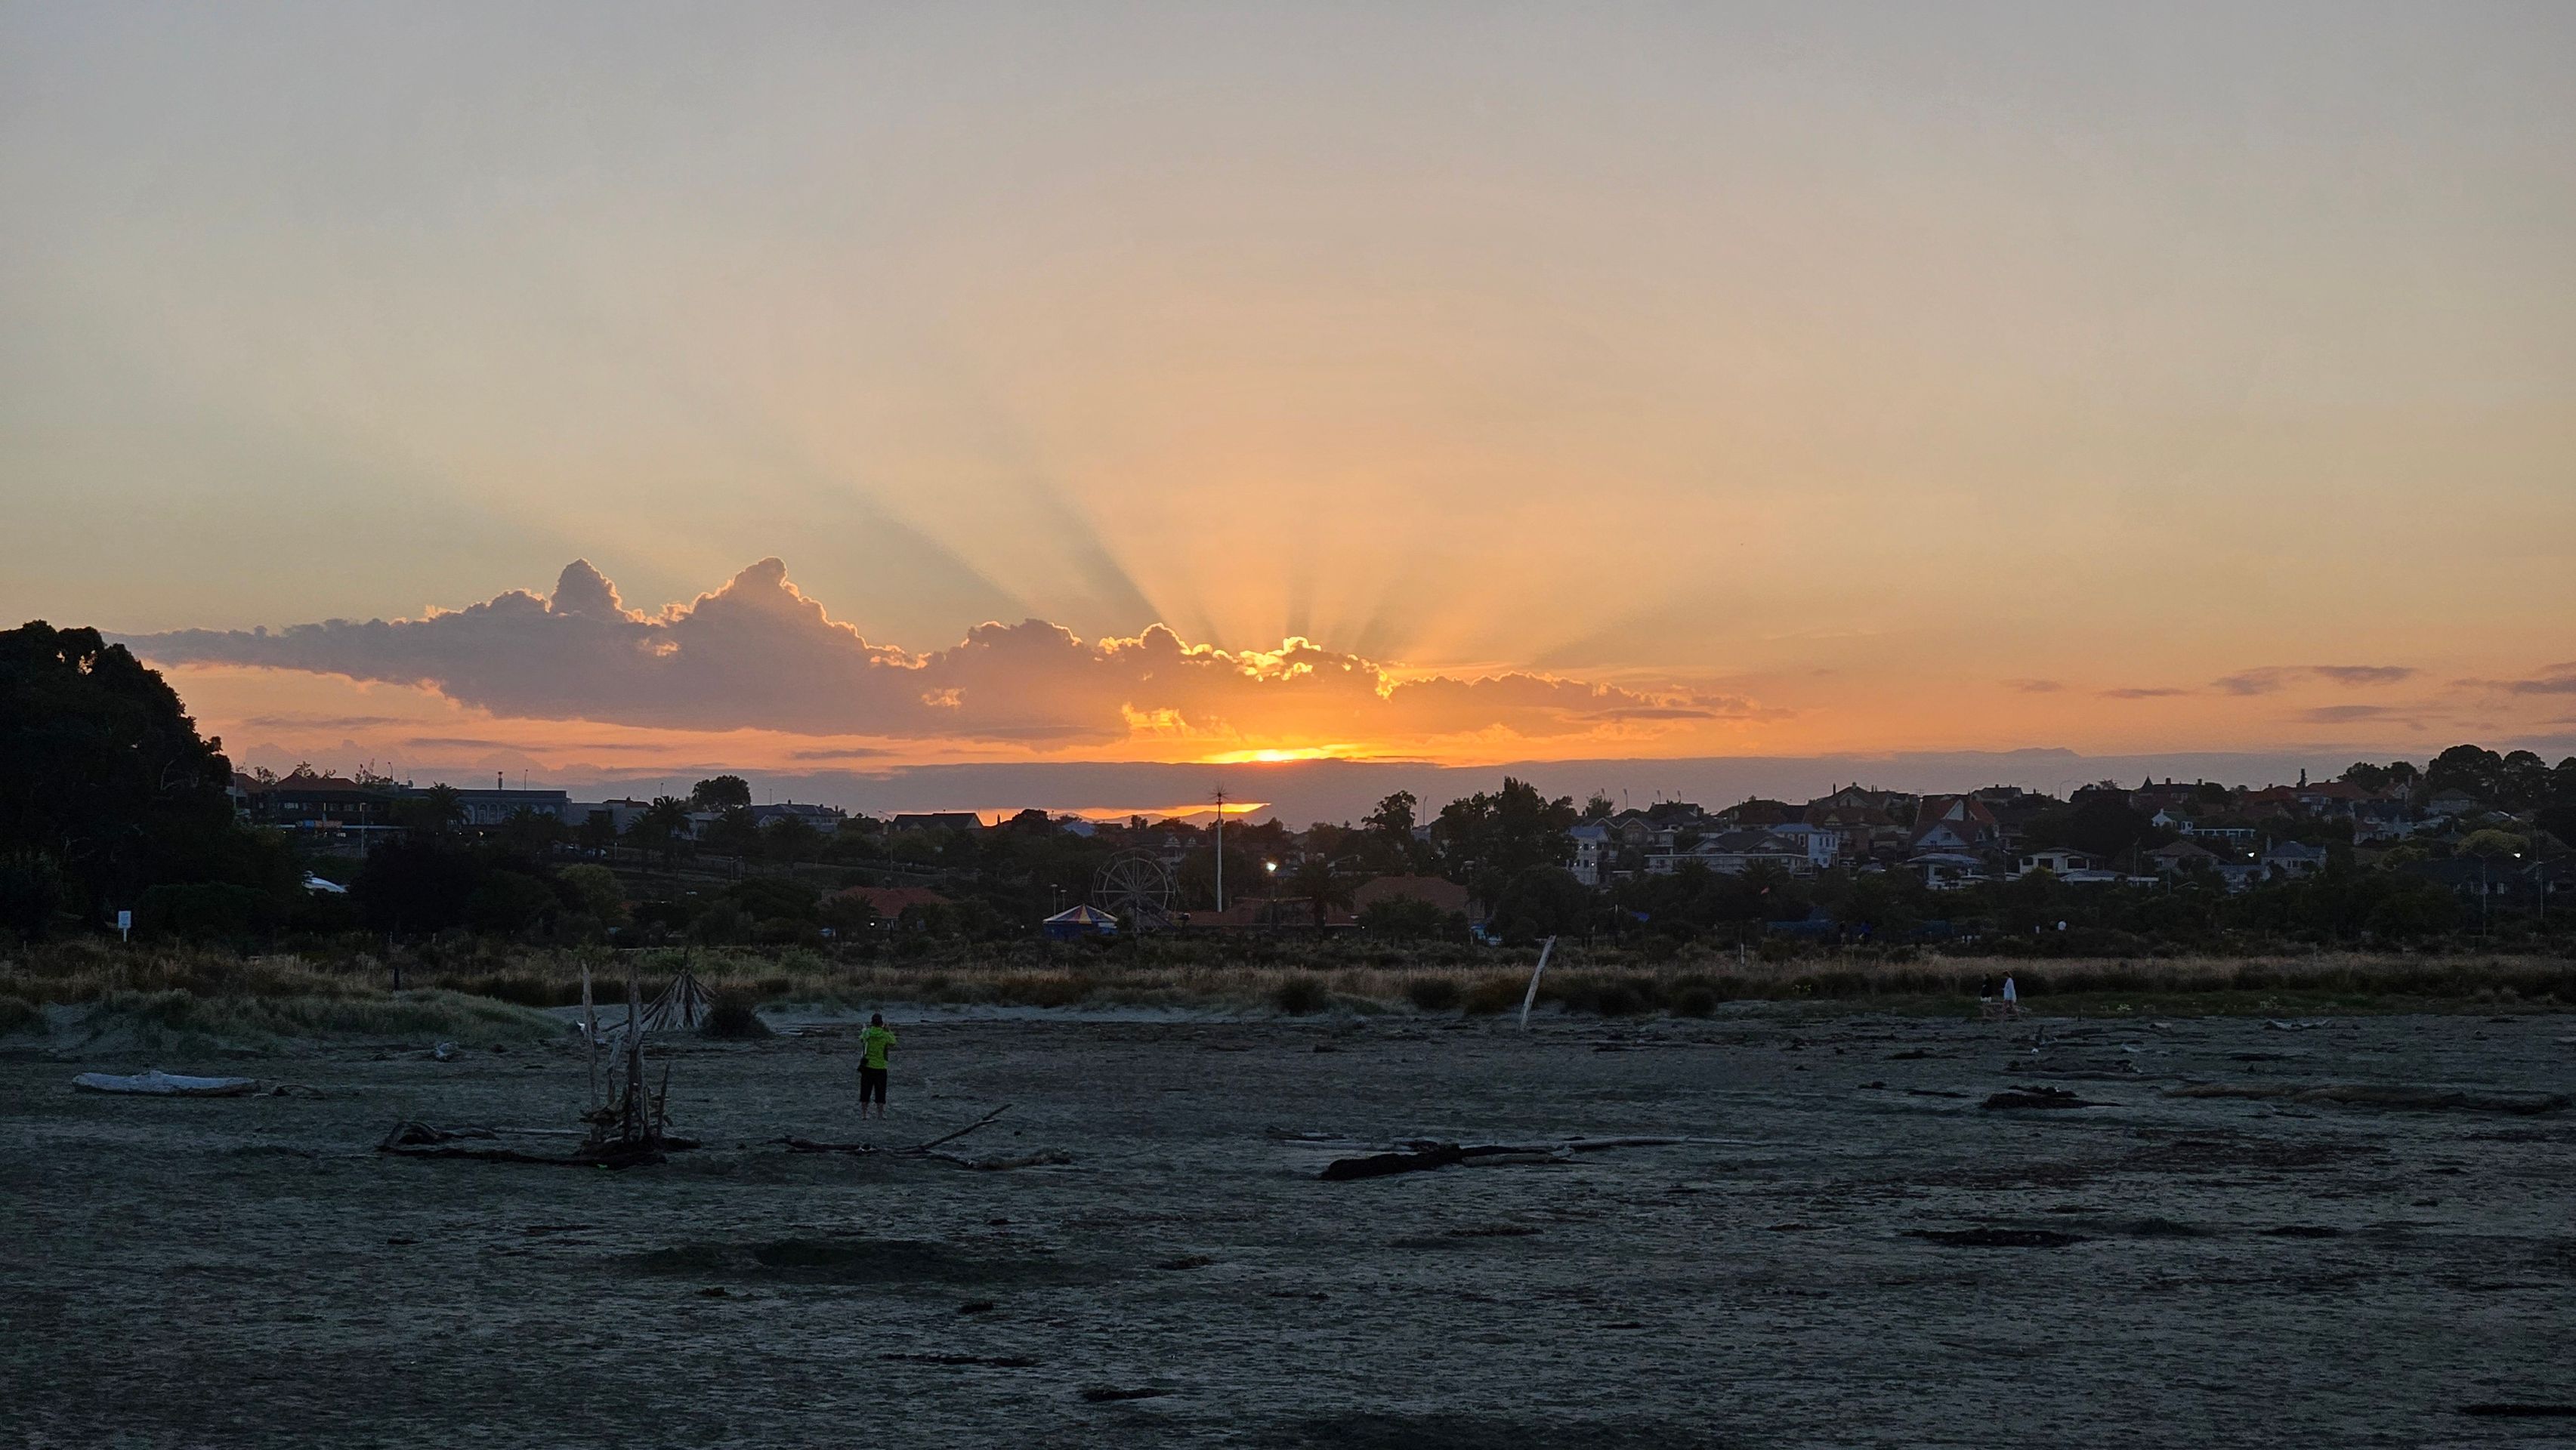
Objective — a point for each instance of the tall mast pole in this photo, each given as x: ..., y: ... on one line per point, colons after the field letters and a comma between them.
x: 1220, y: 850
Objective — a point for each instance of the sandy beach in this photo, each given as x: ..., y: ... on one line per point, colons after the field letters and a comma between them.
x: 1863, y: 1254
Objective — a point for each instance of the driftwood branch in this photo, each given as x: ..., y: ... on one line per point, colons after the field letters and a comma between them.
x: 917, y: 1150
x: 960, y: 1133
x: 1423, y: 1157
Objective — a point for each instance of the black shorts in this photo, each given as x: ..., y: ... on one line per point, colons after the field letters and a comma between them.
x: 872, y: 1085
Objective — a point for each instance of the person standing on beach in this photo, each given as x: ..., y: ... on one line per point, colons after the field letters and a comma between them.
x: 2012, y: 998
x: 874, y: 1044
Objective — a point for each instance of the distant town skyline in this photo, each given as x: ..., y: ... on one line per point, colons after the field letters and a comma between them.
x: 985, y: 385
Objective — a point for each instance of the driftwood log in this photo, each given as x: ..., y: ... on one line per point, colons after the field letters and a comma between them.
x: 410, y: 1139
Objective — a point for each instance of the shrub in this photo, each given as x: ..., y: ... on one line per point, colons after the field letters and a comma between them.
x: 1695, y: 999
x: 1432, y: 994
x: 1300, y: 995
x: 17, y: 1014
x: 1493, y: 995
x: 731, y: 1017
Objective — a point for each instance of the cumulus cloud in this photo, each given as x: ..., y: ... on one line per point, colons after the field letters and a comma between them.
x: 758, y: 653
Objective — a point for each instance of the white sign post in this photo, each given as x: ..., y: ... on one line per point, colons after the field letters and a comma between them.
x: 124, y: 926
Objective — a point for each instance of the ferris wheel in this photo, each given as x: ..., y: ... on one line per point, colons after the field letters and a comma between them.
x: 1134, y: 887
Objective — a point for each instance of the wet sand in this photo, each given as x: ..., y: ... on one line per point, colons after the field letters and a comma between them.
x: 1871, y: 1257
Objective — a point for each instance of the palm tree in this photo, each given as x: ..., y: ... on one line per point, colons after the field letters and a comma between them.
x: 662, y: 825
x: 1320, y: 883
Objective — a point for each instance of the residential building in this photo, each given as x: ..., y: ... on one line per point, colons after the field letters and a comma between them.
x: 2182, y: 857
x: 2293, y: 858
x: 935, y: 821
x: 1732, y: 853
x: 2055, y: 860
x: 480, y: 808
x: 826, y: 819
x: 1955, y: 823
x: 1448, y: 896
x: 1588, y: 853
x: 1949, y: 870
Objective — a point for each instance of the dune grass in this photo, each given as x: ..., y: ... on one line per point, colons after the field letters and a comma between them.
x: 483, y: 995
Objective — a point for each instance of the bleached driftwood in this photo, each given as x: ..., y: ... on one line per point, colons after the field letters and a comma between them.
x: 1424, y: 1156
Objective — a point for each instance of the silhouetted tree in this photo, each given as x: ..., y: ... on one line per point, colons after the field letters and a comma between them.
x: 720, y: 793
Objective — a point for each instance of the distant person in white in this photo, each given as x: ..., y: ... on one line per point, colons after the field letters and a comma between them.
x: 2012, y: 998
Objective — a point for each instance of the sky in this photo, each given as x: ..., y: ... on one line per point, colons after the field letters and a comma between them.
x: 844, y: 393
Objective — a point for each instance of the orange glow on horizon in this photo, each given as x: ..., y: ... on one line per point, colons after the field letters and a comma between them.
x: 1277, y: 755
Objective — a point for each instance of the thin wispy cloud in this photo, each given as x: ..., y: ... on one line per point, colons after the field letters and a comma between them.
x: 2347, y: 714
x: 2270, y: 679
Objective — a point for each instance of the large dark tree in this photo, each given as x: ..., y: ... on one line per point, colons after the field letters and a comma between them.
x: 1486, y: 840
x: 720, y: 793
x: 105, y: 786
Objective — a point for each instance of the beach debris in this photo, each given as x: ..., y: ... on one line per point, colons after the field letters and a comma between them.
x: 1047, y: 1157
x: 1105, y: 1394
x: 1418, y: 1157
x: 2529, y: 1411
x: 159, y: 1084
x: 2402, y: 1096
x: 2037, y: 1097
x: 917, y: 1150
x: 443, y: 1052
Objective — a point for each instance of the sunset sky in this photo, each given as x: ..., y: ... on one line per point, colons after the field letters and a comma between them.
x: 839, y: 389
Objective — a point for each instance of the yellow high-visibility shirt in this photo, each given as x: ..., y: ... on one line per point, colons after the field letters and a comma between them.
x: 874, y: 1043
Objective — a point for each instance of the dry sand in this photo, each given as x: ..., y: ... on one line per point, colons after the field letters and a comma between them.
x: 2178, y: 1271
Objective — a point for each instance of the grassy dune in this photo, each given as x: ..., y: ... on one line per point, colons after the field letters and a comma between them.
x: 484, y: 998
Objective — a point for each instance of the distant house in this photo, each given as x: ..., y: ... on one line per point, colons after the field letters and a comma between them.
x: 477, y: 808
x: 1732, y: 853
x: 2332, y: 797
x: 1588, y: 852
x: 1757, y: 811
x: 2382, y: 820
x: 621, y: 813
x: 2181, y: 857
x: 2234, y: 835
x: 935, y: 821
x: 1872, y: 822
x: 889, y: 902
x: 2454, y: 803
x: 2294, y: 858
x: 322, y: 804
x: 1824, y: 844
x: 1955, y: 823
x: 826, y: 819
x: 2239, y: 875
x: 2056, y: 860
x: 1949, y: 870
x: 1439, y: 892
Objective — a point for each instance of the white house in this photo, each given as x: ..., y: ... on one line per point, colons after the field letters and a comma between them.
x: 1590, y: 852
x: 2055, y: 860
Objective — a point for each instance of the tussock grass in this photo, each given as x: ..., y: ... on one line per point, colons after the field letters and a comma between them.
x: 175, y: 1019
x: 1296, y: 979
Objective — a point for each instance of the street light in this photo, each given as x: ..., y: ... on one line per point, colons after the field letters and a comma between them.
x: 1270, y: 870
